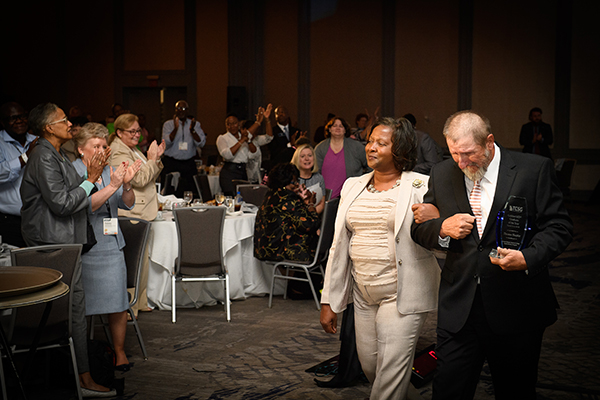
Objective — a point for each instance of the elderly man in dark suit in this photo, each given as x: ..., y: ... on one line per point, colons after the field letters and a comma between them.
x: 494, y: 308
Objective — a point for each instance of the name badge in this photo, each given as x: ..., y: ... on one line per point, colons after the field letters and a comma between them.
x: 183, y: 146
x: 111, y: 226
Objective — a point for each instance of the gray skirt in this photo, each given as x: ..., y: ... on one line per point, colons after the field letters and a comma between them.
x: 104, y: 276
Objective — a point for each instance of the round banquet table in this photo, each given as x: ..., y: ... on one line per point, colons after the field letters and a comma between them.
x: 248, y: 276
x: 26, y: 286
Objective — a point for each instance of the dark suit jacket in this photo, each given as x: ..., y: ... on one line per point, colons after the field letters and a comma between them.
x: 526, y: 137
x: 514, y: 301
x: 278, y: 148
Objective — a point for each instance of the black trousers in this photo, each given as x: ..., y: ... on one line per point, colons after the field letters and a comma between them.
x: 10, y: 229
x: 513, y: 359
x: 229, y: 172
x: 187, y: 170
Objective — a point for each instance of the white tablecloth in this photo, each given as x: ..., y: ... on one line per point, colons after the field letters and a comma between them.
x: 248, y: 276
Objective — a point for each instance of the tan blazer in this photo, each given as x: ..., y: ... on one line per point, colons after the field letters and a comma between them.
x: 146, y: 200
x: 418, y: 270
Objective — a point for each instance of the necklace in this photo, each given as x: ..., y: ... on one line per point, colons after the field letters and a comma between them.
x: 372, y: 189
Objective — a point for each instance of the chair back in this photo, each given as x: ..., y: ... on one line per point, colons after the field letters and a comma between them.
x: 135, y: 232
x: 64, y: 258
x: 200, y: 233
x: 203, y: 188
x: 253, y: 193
x: 168, y: 187
x: 328, y: 194
x: 564, y: 174
x: 327, y: 229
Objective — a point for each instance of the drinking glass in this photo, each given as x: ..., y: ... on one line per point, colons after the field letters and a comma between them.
x: 188, y: 196
x: 220, y: 198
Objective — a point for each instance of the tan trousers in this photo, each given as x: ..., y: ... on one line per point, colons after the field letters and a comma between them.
x: 142, y: 302
x: 385, y: 340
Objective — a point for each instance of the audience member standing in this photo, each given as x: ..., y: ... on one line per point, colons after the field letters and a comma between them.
x: 124, y: 149
x: 491, y: 308
x: 284, y: 137
x: 428, y: 151
x: 236, y: 147
x: 338, y: 156
x: 15, y: 147
x: 182, y: 135
x: 360, y: 132
x: 536, y: 135
x: 55, y: 205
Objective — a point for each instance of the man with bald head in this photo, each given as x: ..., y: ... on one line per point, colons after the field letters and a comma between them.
x: 490, y: 308
x: 182, y: 135
x: 15, y: 146
x: 281, y: 147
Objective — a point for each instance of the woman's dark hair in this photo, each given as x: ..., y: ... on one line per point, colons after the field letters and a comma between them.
x: 404, y: 142
x: 332, y: 121
x: 41, y: 116
x: 282, y: 175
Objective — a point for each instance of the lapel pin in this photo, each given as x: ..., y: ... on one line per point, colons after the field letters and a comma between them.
x: 417, y: 183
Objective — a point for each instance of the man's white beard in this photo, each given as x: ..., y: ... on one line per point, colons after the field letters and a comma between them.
x: 475, y: 176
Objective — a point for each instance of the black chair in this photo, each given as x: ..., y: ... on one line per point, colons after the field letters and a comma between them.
x: 564, y: 174
x: 135, y: 232
x: 57, y: 332
x: 328, y: 194
x: 200, y: 256
x: 203, y: 188
x: 168, y: 187
x: 316, y: 265
x: 253, y: 193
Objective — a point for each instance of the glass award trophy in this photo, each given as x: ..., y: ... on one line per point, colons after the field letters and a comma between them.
x: 511, y: 225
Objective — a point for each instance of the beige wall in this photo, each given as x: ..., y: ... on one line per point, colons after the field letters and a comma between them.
x: 91, y: 74
x: 212, y: 58
x: 345, y: 60
x: 281, y: 55
x: 427, y: 63
x: 513, y: 65
x: 153, y: 35
x: 585, y: 79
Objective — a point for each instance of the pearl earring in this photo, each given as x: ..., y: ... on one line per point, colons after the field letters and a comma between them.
x: 81, y: 154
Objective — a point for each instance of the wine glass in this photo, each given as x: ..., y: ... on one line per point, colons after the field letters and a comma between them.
x: 188, y: 196
x: 220, y: 198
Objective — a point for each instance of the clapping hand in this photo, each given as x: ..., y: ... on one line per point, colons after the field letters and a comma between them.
x: 132, y: 170
x: 297, y: 136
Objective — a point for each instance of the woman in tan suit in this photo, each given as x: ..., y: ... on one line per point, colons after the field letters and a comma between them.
x: 374, y: 263
x: 124, y: 148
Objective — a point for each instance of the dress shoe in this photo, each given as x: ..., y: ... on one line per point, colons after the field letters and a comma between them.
x: 123, y: 367
x: 89, y: 393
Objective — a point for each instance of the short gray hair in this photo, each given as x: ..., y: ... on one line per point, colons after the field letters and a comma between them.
x: 467, y: 122
x: 41, y: 116
x: 91, y: 130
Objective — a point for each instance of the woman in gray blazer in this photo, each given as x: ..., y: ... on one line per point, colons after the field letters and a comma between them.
x: 104, y: 272
x: 374, y: 263
x: 338, y: 156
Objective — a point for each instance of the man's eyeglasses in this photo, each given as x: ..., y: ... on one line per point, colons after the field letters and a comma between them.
x: 65, y: 120
x: 180, y: 108
x: 133, y: 132
x: 14, y: 118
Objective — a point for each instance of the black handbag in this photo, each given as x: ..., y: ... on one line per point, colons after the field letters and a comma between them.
x: 91, y: 237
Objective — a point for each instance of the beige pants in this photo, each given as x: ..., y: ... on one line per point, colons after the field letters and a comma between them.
x: 142, y: 301
x: 385, y: 340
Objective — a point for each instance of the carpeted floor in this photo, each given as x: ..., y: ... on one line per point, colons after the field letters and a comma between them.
x: 263, y: 353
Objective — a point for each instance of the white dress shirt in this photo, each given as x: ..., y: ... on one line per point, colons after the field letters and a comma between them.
x: 227, y: 140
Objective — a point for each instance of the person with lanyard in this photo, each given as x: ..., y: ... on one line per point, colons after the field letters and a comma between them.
x: 15, y: 147
x: 182, y: 135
